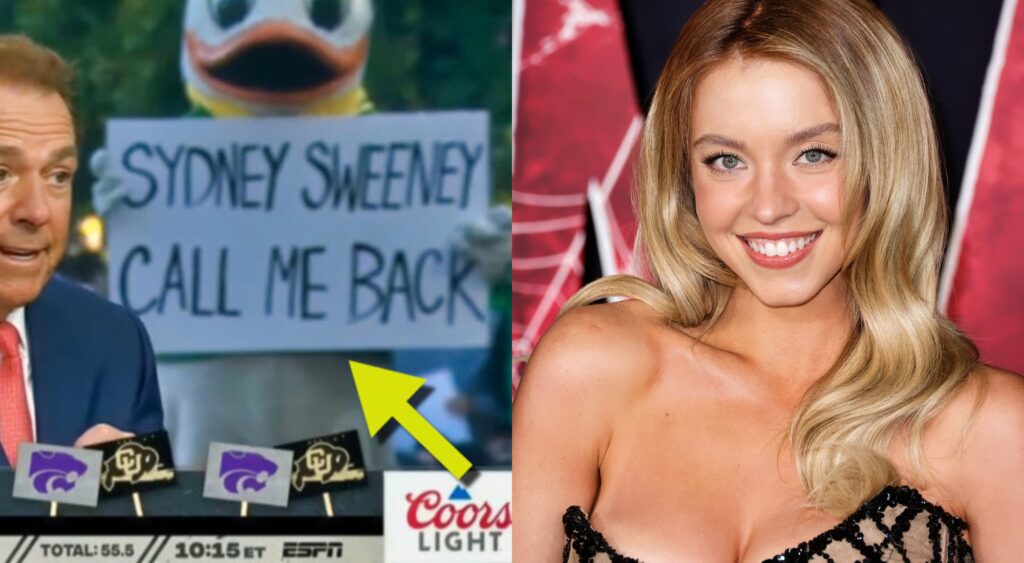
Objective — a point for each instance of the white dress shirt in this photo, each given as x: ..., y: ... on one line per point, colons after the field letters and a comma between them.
x: 17, y: 318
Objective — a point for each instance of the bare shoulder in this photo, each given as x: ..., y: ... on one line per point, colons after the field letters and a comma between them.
x: 977, y: 441
x: 608, y: 349
x: 1000, y: 395
x: 995, y: 421
x: 593, y: 363
x: 987, y: 419
x: 990, y: 406
x: 590, y: 367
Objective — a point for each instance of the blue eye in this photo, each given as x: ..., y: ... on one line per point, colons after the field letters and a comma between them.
x: 722, y: 162
x: 328, y: 14
x: 817, y: 156
x: 229, y: 12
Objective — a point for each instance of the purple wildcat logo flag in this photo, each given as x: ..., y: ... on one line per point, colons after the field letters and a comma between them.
x: 245, y: 470
x: 52, y: 471
x: 247, y: 474
x: 58, y: 474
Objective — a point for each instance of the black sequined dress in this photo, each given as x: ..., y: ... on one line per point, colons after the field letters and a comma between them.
x: 895, y: 525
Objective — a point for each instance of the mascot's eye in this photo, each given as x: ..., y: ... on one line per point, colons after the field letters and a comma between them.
x: 327, y: 14
x: 229, y: 12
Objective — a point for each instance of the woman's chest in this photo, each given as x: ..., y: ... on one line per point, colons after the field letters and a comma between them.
x: 730, y: 512
x: 714, y: 480
x: 703, y: 480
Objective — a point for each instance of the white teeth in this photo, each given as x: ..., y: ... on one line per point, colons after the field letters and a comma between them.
x: 781, y: 247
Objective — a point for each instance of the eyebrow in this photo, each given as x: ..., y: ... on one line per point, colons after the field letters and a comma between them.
x: 795, y: 138
x: 68, y: 151
x: 811, y: 132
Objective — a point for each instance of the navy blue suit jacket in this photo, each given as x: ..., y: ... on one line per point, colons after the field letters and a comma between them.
x: 92, y: 362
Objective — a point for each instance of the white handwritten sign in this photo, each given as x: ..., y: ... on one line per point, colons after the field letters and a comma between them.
x: 299, y: 233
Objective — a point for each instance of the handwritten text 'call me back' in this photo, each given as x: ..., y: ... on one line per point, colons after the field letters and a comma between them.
x: 366, y: 178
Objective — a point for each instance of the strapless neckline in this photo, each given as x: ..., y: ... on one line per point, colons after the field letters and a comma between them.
x: 944, y: 533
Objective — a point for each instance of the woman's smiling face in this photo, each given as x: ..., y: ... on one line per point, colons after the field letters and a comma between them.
x: 768, y: 177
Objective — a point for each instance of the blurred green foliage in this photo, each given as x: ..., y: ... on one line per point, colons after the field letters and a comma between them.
x: 424, y: 55
x: 447, y: 54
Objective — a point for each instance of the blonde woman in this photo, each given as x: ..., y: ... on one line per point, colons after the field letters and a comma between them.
x: 782, y: 386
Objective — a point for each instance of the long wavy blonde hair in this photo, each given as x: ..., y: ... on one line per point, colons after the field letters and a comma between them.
x: 903, y: 361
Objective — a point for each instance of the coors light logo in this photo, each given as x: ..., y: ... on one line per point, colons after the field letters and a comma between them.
x: 441, y: 520
x: 457, y: 524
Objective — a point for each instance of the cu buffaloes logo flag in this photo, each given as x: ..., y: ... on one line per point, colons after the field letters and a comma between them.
x: 136, y: 464
x: 326, y: 463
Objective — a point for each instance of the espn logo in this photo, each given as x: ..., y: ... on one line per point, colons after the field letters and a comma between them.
x: 310, y: 549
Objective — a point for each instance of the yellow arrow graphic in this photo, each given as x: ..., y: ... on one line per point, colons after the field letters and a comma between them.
x: 385, y: 394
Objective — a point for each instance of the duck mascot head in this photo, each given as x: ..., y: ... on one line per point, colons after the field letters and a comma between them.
x: 276, y: 57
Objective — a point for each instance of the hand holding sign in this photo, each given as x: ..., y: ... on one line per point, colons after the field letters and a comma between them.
x: 107, y: 189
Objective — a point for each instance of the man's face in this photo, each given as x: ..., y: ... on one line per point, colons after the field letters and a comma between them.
x: 37, y: 162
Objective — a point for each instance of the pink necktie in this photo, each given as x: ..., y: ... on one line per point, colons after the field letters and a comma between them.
x: 15, y: 425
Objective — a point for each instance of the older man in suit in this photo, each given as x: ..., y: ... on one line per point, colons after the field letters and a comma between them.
x: 74, y: 368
